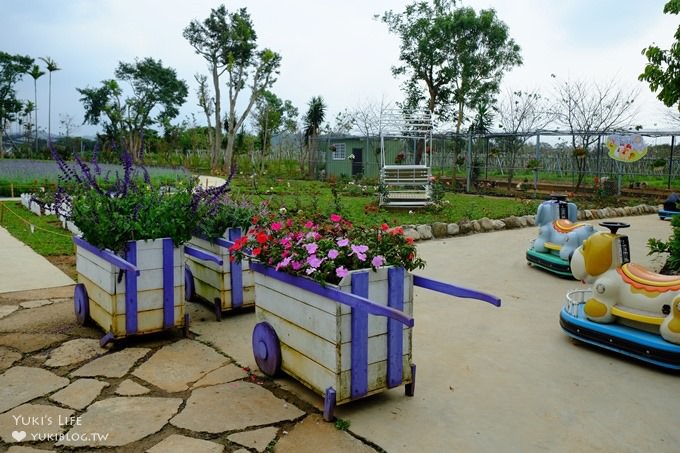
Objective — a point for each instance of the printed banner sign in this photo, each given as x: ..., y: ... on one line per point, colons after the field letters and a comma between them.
x: 626, y: 148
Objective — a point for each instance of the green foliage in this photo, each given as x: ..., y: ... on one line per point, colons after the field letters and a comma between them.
x: 156, y: 89
x: 671, y: 247
x: 12, y: 70
x: 662, y: 71
x: 108, y: 221
x: 458, y: 54
x: 228, y: 214
x: 342, y: 425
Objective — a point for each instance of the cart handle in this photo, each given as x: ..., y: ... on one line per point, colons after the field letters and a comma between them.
x: 203, y: 254
x: 348, y: 299
x: 106, y: 255
x: 453, y: 290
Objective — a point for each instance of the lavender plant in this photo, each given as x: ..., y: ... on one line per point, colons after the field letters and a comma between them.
x: 110, y: 211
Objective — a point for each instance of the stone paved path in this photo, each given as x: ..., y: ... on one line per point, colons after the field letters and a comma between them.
x: 60, y: 391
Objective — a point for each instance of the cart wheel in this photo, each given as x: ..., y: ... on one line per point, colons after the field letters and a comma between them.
x: 189, y: 286
x: 266, y: 349
x: 81, y: 304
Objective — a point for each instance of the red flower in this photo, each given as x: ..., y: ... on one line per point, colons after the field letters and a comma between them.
x: 384, y: 227
x: 257, y: 251
x: 262, y: 238
x: 409, y: 240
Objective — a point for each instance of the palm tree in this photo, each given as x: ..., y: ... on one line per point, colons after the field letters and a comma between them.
x: 36, y: 73
x: 313, y: 120
x: 51, y: 67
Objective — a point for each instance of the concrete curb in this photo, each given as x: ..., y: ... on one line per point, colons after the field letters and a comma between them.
x: 440, y: 230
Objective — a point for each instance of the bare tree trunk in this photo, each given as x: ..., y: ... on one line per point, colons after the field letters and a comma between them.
x: 216, y: 145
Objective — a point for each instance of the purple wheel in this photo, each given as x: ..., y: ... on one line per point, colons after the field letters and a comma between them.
x: 81, y: 304
x: 266, y: 349
x: 189, y: 286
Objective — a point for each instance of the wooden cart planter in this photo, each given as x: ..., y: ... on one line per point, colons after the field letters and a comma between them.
x: 228, y: 286
x: 324, y: 337
x: 139, y: 294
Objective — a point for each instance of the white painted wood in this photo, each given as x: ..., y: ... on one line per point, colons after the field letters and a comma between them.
x: 107, y: 295
x: 315, y: 333
x: 214, y: 281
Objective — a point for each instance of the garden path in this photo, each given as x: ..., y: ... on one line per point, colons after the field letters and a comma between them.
x: 489, y: 379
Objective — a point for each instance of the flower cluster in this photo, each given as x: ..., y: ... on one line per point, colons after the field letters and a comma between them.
x: 325, y: 249
x: 110, y: 211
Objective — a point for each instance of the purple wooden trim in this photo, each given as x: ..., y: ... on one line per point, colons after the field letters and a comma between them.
x: 329, y: 404
x: 236, y: 274
x: 168, y: 284
x: 131, y: 291
x: 202, y: 254
x: 359, y: 372
x: 348, y: 299
x: 106, y: 255
x: 453, y: 290
x: 224, y: 243
x: 395, y: 335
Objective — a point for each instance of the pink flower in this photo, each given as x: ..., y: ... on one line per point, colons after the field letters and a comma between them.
x: 296, y: 265
x: 311, y: 248
x: 314, y: 261
x: 335, y: 218
x: 360, y: 251
x: 341, y: 272
x: 332, y: 254
x: 309, y: 224
x: 310, y: 270
x: 276, y: 226
x: 378, y: 261
x: 343, y: 242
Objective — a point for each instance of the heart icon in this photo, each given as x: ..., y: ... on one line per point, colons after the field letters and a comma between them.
x: 19, y: 435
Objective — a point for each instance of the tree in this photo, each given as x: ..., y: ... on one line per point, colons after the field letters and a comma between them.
x: 366, y: 119
x: 208, y: 38
x: 270, y: 116
x: 12, y: 70
x: 460, y: 56
x: 229, y: 43
x: 155, y: 89
x: 36, y: 73
x: 314, y: 118
x: 663, y: 68
x: 51, y: 67
x: 520, y: 114
x: 207, y: 104
x: 589, y: 110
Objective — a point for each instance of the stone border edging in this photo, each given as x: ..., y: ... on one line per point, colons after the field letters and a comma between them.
x: 441, y: 230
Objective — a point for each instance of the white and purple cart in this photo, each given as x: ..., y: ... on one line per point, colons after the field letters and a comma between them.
x: 142, y: 292
x: 226, y: 286
x: 344, y: 341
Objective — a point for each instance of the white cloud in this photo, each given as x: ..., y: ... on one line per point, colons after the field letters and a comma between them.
x: 329, y: 48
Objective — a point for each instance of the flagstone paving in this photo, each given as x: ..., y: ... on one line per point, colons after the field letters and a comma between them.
x: 173, y: 367
x: 75, y: 351
x: 112, y: 365
x: 157, y: 394
x: 32, y: 421
x: 80, y: 393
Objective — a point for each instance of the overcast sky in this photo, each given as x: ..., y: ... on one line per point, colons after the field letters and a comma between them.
x: 333, y: 49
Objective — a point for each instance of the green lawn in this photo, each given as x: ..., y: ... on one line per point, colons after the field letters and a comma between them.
x: 42, y: 233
